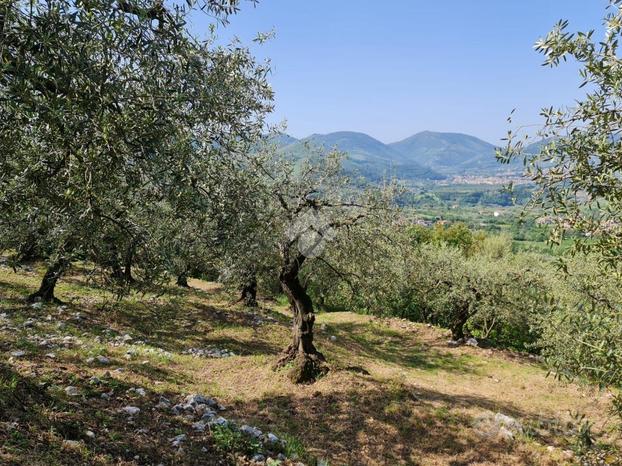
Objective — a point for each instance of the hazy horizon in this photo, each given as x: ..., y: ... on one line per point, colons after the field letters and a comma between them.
x: 286, y: 132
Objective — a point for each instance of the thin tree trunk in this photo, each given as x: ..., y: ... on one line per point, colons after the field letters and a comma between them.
x: 110, y: 258
x: 48, y: 283
x: 309, y: 363
x: 27, y: 252
x: 117, y: 270
x: 129, y: 259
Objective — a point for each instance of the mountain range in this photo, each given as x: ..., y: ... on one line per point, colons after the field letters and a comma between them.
x: 424, y: 156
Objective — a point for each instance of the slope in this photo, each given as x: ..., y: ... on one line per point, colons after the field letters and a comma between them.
x: 396, y: 394
x: 450, y: 153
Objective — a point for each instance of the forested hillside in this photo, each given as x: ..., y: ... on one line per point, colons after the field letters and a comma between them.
x: 365, y: 156
x: 423, y: 156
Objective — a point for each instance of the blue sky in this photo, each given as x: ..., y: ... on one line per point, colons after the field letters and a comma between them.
x: 391, y: 69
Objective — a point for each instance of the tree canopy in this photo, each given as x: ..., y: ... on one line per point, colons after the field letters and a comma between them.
x: 112, y: 115
x: 578, y: 168
x: 578, y: 173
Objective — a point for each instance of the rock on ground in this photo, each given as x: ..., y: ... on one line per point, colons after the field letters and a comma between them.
x: 251, y: 431
x: 72, y: 391
x: 131, y: 410
x: 497, y: 425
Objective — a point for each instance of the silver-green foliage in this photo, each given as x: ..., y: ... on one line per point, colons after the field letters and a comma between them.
x: 114, y: 119
x: 578, y: 172
x: 583, y: 335
x: 578, y: 169
x: 386, y: 267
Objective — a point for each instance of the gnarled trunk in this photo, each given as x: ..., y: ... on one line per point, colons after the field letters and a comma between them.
x: 48, y: 283
x: 309, y: 363
x: 457, y: 331
x: 182, y: 280
x: 249, y: 292
x: 458, y: 323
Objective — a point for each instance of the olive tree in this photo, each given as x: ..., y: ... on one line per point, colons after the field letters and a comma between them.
x: 582, y: 333
x: 107, y: 111
x: 578, y: 172
x: 576, y: 167
x: 387, y: 267
x: 245, y: 252
x: 300, y: 208
x: 367, y: 268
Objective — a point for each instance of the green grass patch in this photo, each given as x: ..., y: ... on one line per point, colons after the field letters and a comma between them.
x: 228, y: 439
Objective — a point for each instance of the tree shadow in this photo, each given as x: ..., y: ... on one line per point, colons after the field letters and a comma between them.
x: 394, y: 426
x: 20, y: 291
x: 174, y: 325
x: 43, y: 426
x: 243, y: 348
x: 402, y: 349
x: 177, y: 327
x: 142, y: 368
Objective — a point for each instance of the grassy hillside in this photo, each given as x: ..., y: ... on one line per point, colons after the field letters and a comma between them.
x: 396, y: 394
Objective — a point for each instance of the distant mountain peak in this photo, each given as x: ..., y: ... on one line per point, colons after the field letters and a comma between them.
x: 450, y: 153
x: 281, y: 139
x: 365, y: 155
x: 424, y: 155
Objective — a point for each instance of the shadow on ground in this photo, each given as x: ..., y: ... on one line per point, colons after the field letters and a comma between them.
x: 401, y: 426
x: 175, y: 323
x: 398, y: 348
x: 42, y: 426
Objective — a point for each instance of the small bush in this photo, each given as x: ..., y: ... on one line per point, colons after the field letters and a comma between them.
x: 229, y: 439
x: 293, y: 448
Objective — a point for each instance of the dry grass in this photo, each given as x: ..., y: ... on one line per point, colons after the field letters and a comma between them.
x: 395, y: 395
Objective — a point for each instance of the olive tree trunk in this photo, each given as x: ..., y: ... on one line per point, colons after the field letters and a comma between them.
x: 459, y: 321
x: 457, y: 330
x: 128, y: 262
x: 182, y: 280
x: 249, y: 291
x: 27, y: 252
x: 308, y: 362
x: 45, y: 292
